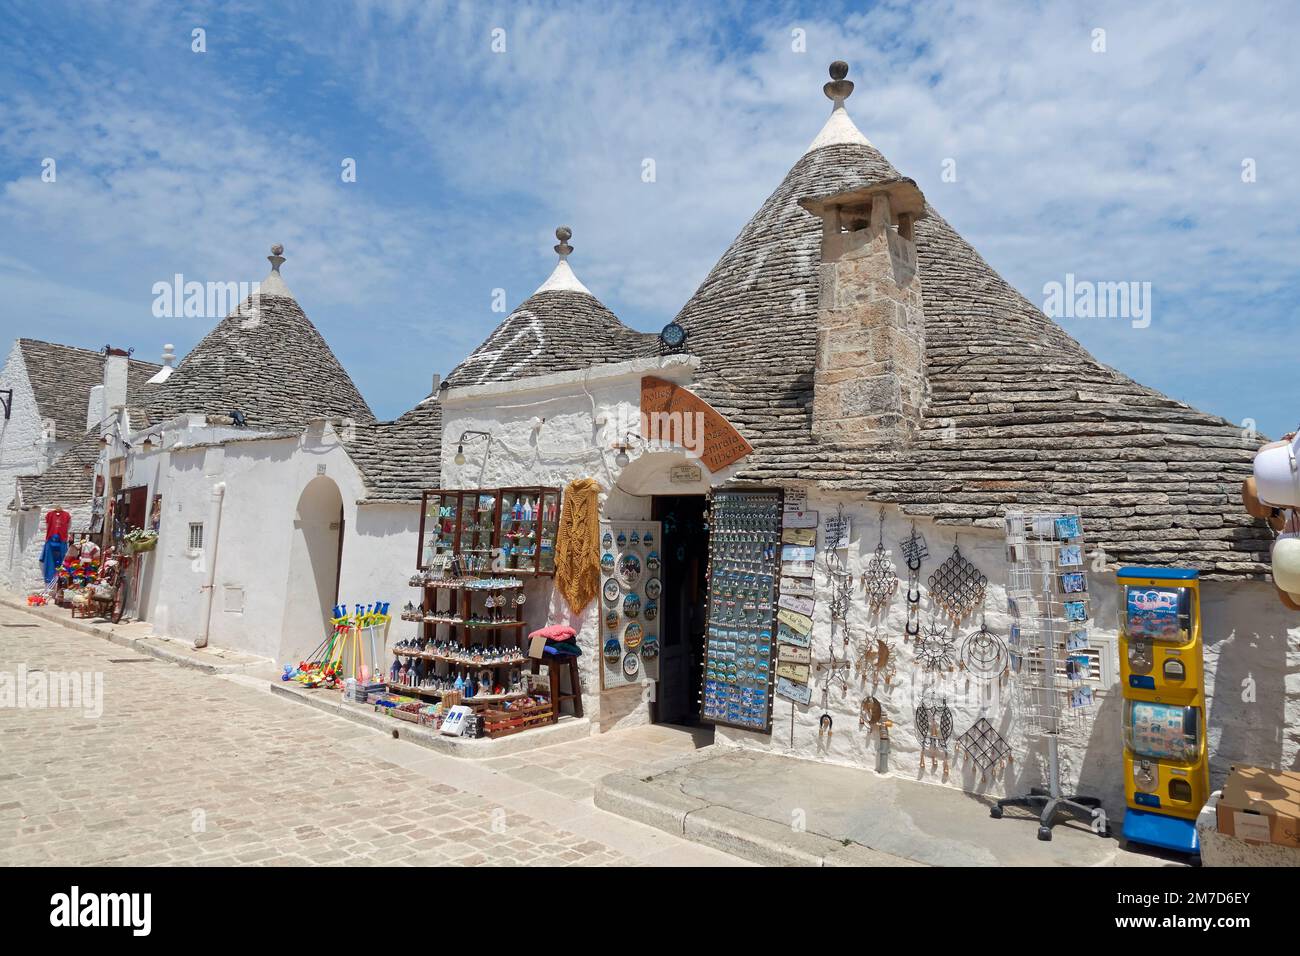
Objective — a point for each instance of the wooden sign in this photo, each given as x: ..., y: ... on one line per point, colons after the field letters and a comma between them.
x: 787, y: 635
x: 839, y: 528
x: 799, y: 519
x: 795, y: 672
x: 800, y: 586
x: 797, y: 553
x: 792, y: 602
x: 799, y: 623
x: 675, y: 415
x: 803, y: 536
x: 789, y: 653
x: 685, y: 474
x: 796, y: 693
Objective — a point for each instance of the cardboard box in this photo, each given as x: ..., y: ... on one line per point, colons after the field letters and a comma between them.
x: 1261, y: 806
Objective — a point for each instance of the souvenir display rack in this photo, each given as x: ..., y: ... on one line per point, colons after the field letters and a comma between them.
x: 505, y: 530
x: 481, y: 621
x: 1047, y: 595
x: 630, y: 590
x: 744, y: 589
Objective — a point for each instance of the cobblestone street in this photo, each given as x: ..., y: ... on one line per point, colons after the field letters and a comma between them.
x: 186, y: 768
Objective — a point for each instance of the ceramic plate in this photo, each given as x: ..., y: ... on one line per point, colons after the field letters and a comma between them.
x: 629, y: 568
x: 632, y: 605
x: 631, y: 664
x: 650, y: 649
x: 607, y: 562
x: 653, y: 588
x: 611, y: 591
x: 652, y: 562
x: 607, y: 542
x: 651, y: 610
x: 632, y: 635
x: 612, y: 649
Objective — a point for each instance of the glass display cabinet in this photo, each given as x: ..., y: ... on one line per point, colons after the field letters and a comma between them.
x: 491, y: 530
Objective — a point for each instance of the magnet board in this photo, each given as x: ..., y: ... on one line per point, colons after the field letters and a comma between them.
x: 624, y: 635
x: 745, y: 548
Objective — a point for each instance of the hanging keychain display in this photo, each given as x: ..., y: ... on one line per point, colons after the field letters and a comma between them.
x: 914, y: 551
x: 957, y: 586
x: 879, y: 579
x: 934, y: 729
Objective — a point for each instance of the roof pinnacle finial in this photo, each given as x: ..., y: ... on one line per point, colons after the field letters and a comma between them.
x: 839, y: 89
x: 276, y: 258
x: 564, y: 234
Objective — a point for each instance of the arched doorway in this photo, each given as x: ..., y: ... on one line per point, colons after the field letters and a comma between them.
x: 315, y: 555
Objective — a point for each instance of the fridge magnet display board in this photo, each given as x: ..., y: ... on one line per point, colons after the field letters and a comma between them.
x: 629, y: 590
x: 745, y: 551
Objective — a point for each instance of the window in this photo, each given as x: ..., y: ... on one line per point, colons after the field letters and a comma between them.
x: 196, y: 535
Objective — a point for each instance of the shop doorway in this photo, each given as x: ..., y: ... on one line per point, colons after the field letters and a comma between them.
x: 685, y: 550
x: 315, y: 559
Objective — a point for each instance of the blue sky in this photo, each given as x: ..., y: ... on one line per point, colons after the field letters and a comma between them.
x: 1122, y: 165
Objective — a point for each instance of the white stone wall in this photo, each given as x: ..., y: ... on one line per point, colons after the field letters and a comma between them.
x: 1248, y: 636
x: 264, y: 481
x: 25, y: 449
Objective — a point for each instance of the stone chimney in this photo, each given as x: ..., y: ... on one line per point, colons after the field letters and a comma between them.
x: 869, y: 387
x: 115, y: 368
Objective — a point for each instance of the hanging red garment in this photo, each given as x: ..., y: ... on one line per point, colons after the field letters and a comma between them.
x: 57, y: 522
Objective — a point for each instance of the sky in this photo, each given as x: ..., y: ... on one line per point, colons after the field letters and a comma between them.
x: 1156, y: 144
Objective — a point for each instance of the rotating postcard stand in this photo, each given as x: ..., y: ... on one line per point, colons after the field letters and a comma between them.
x: 1047, y: 595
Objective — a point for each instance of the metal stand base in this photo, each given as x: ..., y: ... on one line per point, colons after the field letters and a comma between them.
x: 1081, y: 808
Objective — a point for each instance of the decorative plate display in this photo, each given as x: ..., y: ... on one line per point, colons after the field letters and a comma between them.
x: 611, y: 619
x: 632, y: 635
x: 613, y: 649
x: 607, y: 562
x: 612, y: 591
x: 607, y: 542
x: 635, y: 540
x: 653, y: 588
x: 652, y: 560
x: 622, y: 540
x: 629, y: 568
x: 632, y: 605
x: 651, y: 610
x: 648, y: 538
x: 650, y: 649
x: 631, y: 664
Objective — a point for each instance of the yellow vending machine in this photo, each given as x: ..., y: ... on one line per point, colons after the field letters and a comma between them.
x: 1166, y: 765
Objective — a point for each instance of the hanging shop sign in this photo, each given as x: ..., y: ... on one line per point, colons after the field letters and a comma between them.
x: 806, y: 537
x: 796, y: 500
x: 744, y: 547
x: 671, y: 414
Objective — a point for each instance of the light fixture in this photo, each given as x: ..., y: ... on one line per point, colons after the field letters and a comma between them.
x: 621, y: 458
x: 460, y: 443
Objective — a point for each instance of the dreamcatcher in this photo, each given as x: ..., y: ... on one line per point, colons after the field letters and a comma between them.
x: 934, y: 729
x: 914, y: 552
x: 879, y: 580
x: 984, y: 654
x: 957, y: 586
x: 936, y: 650
x: 876, y: 663
x: 984, y: 746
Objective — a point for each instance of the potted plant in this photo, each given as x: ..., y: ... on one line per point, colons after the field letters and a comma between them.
x: 141, y: 539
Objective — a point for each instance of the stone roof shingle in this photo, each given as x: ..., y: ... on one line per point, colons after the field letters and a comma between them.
x: 62, y: 377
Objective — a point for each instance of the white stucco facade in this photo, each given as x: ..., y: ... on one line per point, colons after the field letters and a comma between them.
x: 553, y: 429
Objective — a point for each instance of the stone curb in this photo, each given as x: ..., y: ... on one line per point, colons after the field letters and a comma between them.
x: 110, y: 633
x: 643, y: 797
x: 569, y: 729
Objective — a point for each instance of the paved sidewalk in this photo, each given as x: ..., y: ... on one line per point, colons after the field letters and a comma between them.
x: 185, y: 767
x: 784, y: 811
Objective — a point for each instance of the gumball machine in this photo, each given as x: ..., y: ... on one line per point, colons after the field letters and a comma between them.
x: 1166, y: 762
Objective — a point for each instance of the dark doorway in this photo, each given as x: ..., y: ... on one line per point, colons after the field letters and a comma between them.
x: 683, y: 607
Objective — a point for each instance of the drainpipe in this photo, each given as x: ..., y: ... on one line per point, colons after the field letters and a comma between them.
x: 214, y: 521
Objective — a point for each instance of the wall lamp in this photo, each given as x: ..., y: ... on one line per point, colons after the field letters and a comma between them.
x: 467, y: 436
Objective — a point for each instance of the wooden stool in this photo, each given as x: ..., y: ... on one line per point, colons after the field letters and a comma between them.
x: 555, y: 666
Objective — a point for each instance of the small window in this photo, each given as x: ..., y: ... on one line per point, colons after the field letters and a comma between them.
x: 196, y: 535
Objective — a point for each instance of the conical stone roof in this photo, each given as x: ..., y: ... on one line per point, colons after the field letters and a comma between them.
x: 1019, y: 413
x: 561, y: 327
x: 265, y: 360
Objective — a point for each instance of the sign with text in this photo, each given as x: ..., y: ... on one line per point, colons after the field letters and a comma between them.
x: 676, y: 416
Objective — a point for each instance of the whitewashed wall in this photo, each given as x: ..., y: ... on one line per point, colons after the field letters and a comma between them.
x: 25, y: 449
x: 255, y: 575
x: 1246, y: 636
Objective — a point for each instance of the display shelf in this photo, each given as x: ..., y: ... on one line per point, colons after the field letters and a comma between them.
x: 459, y: 661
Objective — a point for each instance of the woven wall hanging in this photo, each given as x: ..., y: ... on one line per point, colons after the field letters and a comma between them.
x: 984, y: 746
x: 984, y: 654
x: 934, y: 729
x: 879, y: 579
x: 957, y: 586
